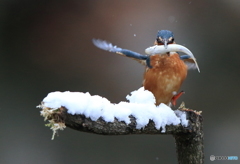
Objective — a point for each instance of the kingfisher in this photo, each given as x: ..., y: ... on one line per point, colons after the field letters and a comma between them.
x: 165, y: 68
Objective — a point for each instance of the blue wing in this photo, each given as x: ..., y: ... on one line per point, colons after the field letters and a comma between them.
x: 104, y: 45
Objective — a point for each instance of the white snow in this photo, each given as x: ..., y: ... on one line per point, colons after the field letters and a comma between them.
x: 141, y: 105
x: 182, y: 116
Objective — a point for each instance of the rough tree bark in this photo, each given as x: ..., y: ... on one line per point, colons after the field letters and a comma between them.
x: 189, y: 140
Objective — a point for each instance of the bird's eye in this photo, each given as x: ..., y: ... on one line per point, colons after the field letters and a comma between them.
x: 172, y: 40
x: 159, y: 40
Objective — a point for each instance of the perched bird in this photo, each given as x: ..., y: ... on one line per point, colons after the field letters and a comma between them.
x: 165, y: 68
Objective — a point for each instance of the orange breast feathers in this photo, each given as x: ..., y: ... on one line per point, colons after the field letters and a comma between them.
x: 165, y: 77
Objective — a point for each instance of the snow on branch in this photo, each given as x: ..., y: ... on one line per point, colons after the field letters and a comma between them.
x: 96, y: 114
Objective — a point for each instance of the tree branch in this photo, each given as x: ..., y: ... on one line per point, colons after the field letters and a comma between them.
x: 190, y: 148
x: 189, y: 140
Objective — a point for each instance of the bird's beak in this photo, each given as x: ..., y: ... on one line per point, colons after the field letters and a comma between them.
x: 165, y: 43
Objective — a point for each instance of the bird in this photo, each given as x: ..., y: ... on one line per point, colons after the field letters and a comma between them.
x: 165, y: 68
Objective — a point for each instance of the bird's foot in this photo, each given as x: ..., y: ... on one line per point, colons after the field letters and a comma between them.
x: 175, y: 97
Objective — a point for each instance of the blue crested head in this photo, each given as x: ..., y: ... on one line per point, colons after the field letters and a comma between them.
x: 165, y: 37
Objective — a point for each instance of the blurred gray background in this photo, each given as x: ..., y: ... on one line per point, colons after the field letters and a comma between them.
x: 46, y: 46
